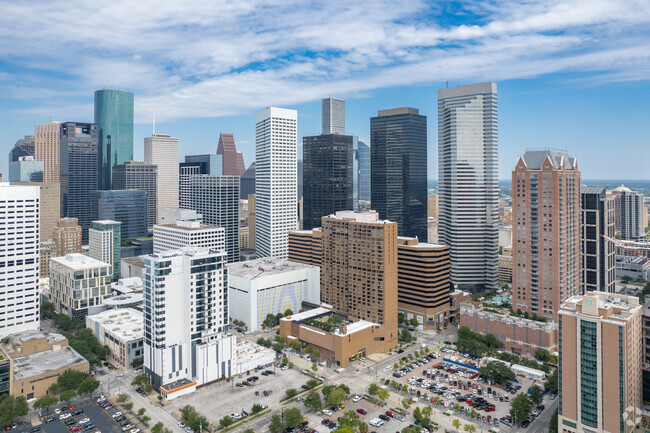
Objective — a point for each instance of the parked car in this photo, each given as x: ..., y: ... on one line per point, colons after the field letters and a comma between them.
x: 362, y: 411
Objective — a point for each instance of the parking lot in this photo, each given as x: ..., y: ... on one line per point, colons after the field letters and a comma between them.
x: 84, y: 417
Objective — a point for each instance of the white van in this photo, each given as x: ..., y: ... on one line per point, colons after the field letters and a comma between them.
x: 376, y: 422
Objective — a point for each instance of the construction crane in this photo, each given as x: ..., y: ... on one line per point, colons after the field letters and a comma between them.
x: 620, y: 244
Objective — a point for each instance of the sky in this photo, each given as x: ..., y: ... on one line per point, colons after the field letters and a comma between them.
x: 571, y: 74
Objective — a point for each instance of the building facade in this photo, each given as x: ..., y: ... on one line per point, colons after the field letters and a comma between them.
x: 79, y: 284
x: 19, y: 260
x: 628, y: 211
x: 233, y: 161
x: 122, y: 330
x: 195, y: 164
x: 126, y: 206
x: 598, y: 262
x: 217, y: 199
x: 142, y: 176
x: 67, y: 237
x: 432, y: 206
x: 332, y: 116
x: 546, y: 231
x: 47, y: 149
x: 467, y: 183
x: 162, y: 150
x: 24, y: 147
x: 247, y: 182
x: 328, y: 180
x: 266, y: 286
x: 105, y: 241
x: 362, y: 179
x: 187, y: 234
x: 114, y: 120
x: 78, y: 174
x: 599, y: 375
x: 50, y: 206
x: 276, y: 180
x: 26, y: 169
x: 398, y: 167
x: 186, y: 337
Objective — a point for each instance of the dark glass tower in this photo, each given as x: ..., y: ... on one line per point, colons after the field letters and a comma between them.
x: 398, y: 169
x: 78, y: 173
x: 328, y: 180
x: 114, y: 119
x: 362, y: 186
x: 126, y: 206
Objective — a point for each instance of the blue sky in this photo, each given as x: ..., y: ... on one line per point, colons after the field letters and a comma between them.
x: 572, y: 75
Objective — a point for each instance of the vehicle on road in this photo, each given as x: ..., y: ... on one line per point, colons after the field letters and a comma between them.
x: 356, y: 398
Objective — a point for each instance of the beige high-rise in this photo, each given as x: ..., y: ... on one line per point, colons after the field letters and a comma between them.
x: 162, y: 150
x: 50, y: 206
x: 46, y: 149
x: 251, y: 221
x: 600, y: 363
x: 432, y: 206
x: 67, y: 237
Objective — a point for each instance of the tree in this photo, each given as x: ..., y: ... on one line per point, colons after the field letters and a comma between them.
x: 276, y: 425
x: 405, y: 388
x: 470, y: 428
x: 45, y: 402
x: 349, y: 418
x: 140, y: 380
x: 295, y: 345
x: 426, y: 412
x: 317, y: 354
x: 344, y: 429
x: 313, y: 401
x: 145, y: 419
x: 336, y: 397
x: 400, y: 318
x: 542, y: 355
x: 552, y: 426
x: 128, y: 406
x: 249, y: 430
x: 520, y: 408
x: 285, y: 361
x: 290, y: 393
x: 497, y: 372
x: 141, y: 411
x: 288, y: 312
x: 148, y: 388
x: 292, y: 417
x: 382, y: 394
x: 158, y: 428
x: 472, y: 414
x: 67, y: 395
x: 551, y: 381
x: 123, y: 398
x: 54, y: 388
x: 160, y: 399
x: 257, y: 408
x: 11, y: 408
x: 414, y: 322
x: 326, y: 390
x: 417, y: 413
x: 226, y: 421
x: 87, y: 386
x: 406, y: 336
x: 536, y: 395
x: 363, y: 427
x: 278, y: 347
x: 47, y: 310
x: 71, y: 379
x: 373, y: 389
x: 406, y: 403
x: 137, y: 362
x: 456, y: 423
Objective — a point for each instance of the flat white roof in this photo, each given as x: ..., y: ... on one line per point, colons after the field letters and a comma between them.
x: 126, y: 323
x: 78, y: 261
x: 252, y: 269
x: 307, y: 314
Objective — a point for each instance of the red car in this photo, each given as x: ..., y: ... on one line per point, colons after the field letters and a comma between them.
x: 362, y: 411
x: 76, y: 428
x: 489, y: 409
x: 390, y: 414
x: 325, y: 421
x: 246, y: 383
x: 70, y: 407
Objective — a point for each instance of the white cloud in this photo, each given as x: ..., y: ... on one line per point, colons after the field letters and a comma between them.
x: 213, y: 58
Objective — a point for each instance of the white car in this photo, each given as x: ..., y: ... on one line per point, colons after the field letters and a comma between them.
x: 181, y: 424
x: 116, y: 414
x: 121, y: 375
x: 399, y: 417
x: 235, y: 416
x: 84, y: 421
x: 57, y: 411
x: 376, y: 422
x: 65, y: 416
x: 135, y: 430
x: 327, y: 412
x: 284, y: 367
x: 356, y: 398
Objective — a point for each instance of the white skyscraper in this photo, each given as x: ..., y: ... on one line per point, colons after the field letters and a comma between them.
x: 276, y: 180
x: 186, y: 338
x: 467, y: 183
x: 628, y: 213
x: 332, y: 116
x: 162, y: 150
x: 19, y: 266
x: 100, y: 245
x: 187, y: 234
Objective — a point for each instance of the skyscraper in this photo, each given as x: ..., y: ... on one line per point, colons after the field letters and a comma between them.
x: 276, y: 150
x: 19, y: 270
x: 50, y: 209
x: 233, y: 161
x: 162, y: 150
x: 467, y: 183
x: 332, y: 116
x: 628, y: 210
x: 217, y: 199
x: 398, y: 167
x: 105, y: 241
x: 26, y: 169
x: 362, y: 188
x: 67, y: 237
x: 598, y: 254
x: 79, y: 173
x: 195, y: 164
x: 126, y: 206
x: 114, y: 120
x: 328, y: 179
x: 599, y: 368
x: 46, y: 149
x: 23, y: 147
x: 186, y: 336
x: 546, y: 225
x: 142, y: 176
x: 247, y: 182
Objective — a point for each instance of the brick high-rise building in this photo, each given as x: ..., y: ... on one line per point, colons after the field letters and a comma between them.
x: 598, y: 254
x: 46, y: 149
x: 600, y: 362
x: 233, y: 161
x: 67, y: 237
x: 546, y: 222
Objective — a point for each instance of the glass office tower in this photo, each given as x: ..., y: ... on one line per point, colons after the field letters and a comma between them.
x: 126, y: 206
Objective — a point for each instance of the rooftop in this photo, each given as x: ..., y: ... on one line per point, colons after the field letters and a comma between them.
x: 124, y: 300
x: 136, y: 260
x: 252, y: 269
x: 107, y: 222
x: 248, y: 351
x: 593, y: 189
x: 310, y: 314
x: 189, y: 226
x: 77, y: 261
x: 535, y: 158
x: 14, y: 342
x: 126, y: 323
x: 353, y: 327
x: 608, y: 306
x: 46, y: 361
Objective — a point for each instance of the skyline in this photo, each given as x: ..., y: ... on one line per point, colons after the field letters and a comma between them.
x: 571, y: 75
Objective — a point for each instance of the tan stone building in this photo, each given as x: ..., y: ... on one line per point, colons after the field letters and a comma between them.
x: 67, y: 237
x: 505, y: 265
x: 306, y: 246
x: 36, y: 360
x: 600, y: 363
x: 46, y: 149
x: 46, y: 253
x: 50, y: 207
x: 546, y: 231
x: 432, y: 206
x: 251, y: 221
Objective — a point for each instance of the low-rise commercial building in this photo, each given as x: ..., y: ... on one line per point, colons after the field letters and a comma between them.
x: 34, y: 360
x: 122, y: 331
x: 270, y: 286
x: 132, y: 266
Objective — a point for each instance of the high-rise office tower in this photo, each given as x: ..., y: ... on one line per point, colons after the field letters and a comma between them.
x: 276, y: 176
x: 467, y: 183
x: 628, y: 211
x: 50, y: 207
x: 598, y: 254
x: 247, y: 183
x: 79, y: 173
x: 432, y: 207
x: 114, y: 120
x: 19, y: 270
x: 186, y: 337
x: 599, y: 374
x: 190, y: 233
x: 162, y: 150
x: 362, y: 185
x: 328, y: 180
x: 105, y: 241
x: 359, y: 271
x: 126, y: 206
x: 251, y: 221
x: 217, y: 199
x: 26, y: 169
x: 300, y: 179
x: 332, y: 116
x: 23, y: 147
x: 142, y: 176
x: 67, y: 237
x: 546, y: 231
x: 398, y: 167
x: 233, y: 161
x: 46, y: 149
x: 195, y: 164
